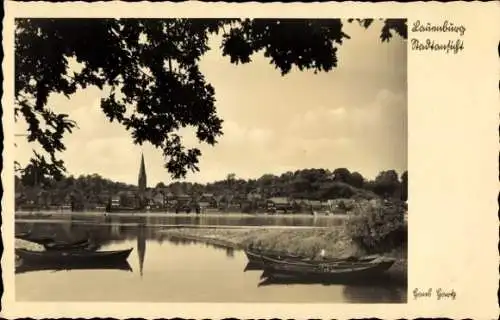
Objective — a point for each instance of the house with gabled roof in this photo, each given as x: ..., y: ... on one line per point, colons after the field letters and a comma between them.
x: 182, y: 198
x: 157, y: 199
x: 208, y: 200
x: 279, y: 203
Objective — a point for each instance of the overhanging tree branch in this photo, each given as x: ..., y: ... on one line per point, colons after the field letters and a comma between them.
x: 113, y: 54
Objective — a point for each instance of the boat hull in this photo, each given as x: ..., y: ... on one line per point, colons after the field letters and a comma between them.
x: 78, y: 245
x: 256, y: 258
x: 37, y: 240
x: 326, y: 272
x: 21, y: 235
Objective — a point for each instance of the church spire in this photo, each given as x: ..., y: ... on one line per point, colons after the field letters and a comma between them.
x: 142, y: 183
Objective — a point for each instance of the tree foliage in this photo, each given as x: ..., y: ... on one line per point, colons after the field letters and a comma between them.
x: 149, y: 70
x: 387, y: 183
x: 378, y: 227
x: 404, y: 186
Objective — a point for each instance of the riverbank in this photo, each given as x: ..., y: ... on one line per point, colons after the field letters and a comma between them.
x: 28, y: 216
x: 309, y: 242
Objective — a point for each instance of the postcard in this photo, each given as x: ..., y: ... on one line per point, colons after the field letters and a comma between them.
x: 214, y: 160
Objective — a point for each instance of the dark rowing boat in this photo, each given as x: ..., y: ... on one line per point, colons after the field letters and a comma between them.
x: 350, y: 260
x: 37, y: 240
x: 121, y: 265
x: 50, y: 243
x: 330, y: 271
x: 255, y: 258
x: 23, y: 234
x: 64, y: 257
x: 77, y: 245
x: 339, y: 262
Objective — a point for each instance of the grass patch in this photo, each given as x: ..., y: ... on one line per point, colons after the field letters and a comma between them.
x: 308, y: 242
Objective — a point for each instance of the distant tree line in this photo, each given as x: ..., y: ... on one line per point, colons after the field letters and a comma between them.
x: 312, y: 184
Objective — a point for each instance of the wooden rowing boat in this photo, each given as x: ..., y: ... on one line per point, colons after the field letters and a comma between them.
x: 23, y: 234
x: 331, y: 271
x: 64, y: 257
x: 37, y: 240
x: 64, y: 246
x: 307, y: 261
x: 255, y: 258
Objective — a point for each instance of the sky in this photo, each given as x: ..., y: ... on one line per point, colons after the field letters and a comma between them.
x: 354, y: 117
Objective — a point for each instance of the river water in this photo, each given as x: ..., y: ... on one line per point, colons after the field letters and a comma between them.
x: 169, y: 270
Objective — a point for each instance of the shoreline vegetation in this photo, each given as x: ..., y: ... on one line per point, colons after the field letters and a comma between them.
x: 370, y: 229
x: 309, y: 242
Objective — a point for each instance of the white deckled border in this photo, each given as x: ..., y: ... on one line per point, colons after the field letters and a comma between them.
x: 453, y: 163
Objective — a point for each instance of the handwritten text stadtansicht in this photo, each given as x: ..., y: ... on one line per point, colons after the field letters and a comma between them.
x: 454, y: 46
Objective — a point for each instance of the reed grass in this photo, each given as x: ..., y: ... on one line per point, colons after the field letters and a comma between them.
x: 308, y: 242
x: 371, y: 228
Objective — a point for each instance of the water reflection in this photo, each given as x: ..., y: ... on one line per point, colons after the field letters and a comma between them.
x: 376, y: 281
x: 230, y: 252
x: 141, y: 245
x: 384, y: 294
x: 252, y: 266
x: 194, y: 220
x: 24, y: 267
x: 171, y: 270
x: 359, y: 292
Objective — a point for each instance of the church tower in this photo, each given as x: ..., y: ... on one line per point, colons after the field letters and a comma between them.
x: 142, y: 183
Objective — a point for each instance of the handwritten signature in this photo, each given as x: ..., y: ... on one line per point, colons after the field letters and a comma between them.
x: 439, y: 294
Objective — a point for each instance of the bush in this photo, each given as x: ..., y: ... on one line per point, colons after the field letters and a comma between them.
x: 377, y: 227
